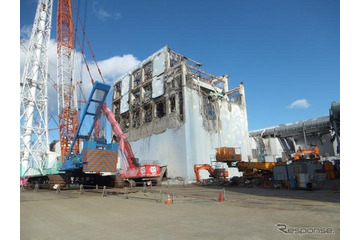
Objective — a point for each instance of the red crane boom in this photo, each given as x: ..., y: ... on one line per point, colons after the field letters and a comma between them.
x: 67, y: 102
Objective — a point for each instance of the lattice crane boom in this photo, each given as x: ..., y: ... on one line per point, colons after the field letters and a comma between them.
x: 34, y: 140
x: 67, y: 97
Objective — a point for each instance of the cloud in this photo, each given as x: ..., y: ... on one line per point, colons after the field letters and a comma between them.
x: 300, y: 103
x: 102, y: 14
x: 111, y: 69
x: 25, y: 32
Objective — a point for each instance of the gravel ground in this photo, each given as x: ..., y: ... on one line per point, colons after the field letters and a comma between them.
x: 247, y: 213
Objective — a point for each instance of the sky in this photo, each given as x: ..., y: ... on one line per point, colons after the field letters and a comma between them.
x: 287, y: 53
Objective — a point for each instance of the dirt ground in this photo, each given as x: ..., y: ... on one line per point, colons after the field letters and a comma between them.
x: 246, y: 213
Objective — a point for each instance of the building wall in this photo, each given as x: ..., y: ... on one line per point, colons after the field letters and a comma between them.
x: 198, y: 117
x: 226, y: 131
x: 317, y: 131
x: 326, y: 147
x: 192, y: 143
x: 274, y: 150
x: 167, y: 148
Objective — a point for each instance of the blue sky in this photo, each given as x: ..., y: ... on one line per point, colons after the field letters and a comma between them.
x: 287, y: 53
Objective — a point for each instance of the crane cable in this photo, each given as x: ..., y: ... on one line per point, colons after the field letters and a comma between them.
x: 92, y: 53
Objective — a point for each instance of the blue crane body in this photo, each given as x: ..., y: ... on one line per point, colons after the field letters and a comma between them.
x: 97, y: 155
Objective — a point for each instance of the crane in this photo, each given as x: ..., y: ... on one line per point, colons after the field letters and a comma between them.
x: 67, y: 102
x: 34, y: 139
x: 25, y: 50
x: 132, y: 169
x: 73, y: 163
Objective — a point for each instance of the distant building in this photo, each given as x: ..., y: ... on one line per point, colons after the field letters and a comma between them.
x: 281, y: 142
x: 175, y: 114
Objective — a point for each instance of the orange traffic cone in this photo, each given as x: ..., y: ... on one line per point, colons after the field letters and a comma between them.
x: 168, y: 201
x: 221, y: 199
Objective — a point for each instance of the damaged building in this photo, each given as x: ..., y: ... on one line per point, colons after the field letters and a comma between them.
x: 176, y: 115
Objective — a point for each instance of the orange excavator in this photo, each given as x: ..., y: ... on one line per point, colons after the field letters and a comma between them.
x: 215, y: 173
x: 308, y: 153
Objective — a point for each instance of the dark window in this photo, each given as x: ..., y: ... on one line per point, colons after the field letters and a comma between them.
x: 160, y: 108
x: 125, y: 121
x: 147, y: 93
x: 147, y: 113
x: 172, y: 104
x: 137, y: 78
x: 148, y: 70
x: 209, y: 108
x: 181, y: 107
x: 136, y: 118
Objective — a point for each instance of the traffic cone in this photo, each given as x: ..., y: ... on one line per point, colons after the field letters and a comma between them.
x: 221, y: 199
x: 168, y: 201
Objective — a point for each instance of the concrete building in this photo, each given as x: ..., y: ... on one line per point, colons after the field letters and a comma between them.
x: 281, y: 142
x: 175, y: 114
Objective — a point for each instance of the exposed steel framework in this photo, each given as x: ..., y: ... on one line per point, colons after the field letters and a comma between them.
x: 34, y: 140
x: 67, y: 102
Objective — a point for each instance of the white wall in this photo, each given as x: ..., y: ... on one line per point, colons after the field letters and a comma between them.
x: 191, y: 144
x: 201, y: 143
x: 167, y: 148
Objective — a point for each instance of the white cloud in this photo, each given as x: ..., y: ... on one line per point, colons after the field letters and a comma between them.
x: 111, y: 69
x: 102, y: 14
x: 25, y: 31
x: 300, y: 103
x: 114, y: 67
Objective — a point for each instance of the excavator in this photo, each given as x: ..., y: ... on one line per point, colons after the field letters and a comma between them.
x: 216, y: 173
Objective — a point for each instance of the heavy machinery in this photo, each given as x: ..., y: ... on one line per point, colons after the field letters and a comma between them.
x: 132, y: 168
x: 66, y: 83
x: 249, y: 169
x: 96, y: 163
x: 216, y: 173
x: 227, y: 155
x: 96, y: 158
x: 312, y: 153
x: 255, y: 169
x: 99, y: 157
x: 34, y: 140
x: 96, y: 155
